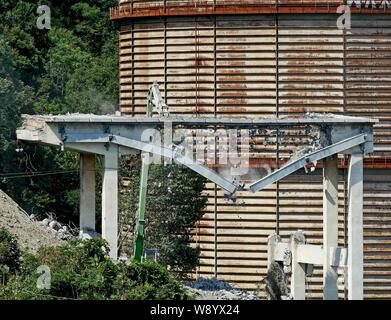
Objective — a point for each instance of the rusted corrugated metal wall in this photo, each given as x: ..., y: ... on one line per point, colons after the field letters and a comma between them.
x: 237, y: 233
x: 266, y: 66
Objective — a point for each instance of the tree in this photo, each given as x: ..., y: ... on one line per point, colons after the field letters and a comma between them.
x: 9, y: 252
x: 38, y: 196
x: 71, y: 68
x: 15, y: 98
x: 174, y: 204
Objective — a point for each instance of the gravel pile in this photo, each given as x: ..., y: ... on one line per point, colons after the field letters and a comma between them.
x: 30, y: 233
x: 214, y: 289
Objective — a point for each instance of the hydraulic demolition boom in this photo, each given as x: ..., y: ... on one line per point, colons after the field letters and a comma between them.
x: 154, y: 99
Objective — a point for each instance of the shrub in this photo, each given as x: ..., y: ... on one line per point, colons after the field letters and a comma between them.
x: 174, y: 204
x: 148, y: 281
x: 9, y: 252
x: 83, y: 270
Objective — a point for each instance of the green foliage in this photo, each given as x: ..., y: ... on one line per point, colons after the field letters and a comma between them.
x: 147, y: 281
x: 71, y: 68
x: 174, y: 204
x: 74, y: 68
x: 15, y: 98
x: 9, y: 253
x: 82, y: 270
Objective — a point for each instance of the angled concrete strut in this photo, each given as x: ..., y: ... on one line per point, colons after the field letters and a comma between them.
x: 158, y: 150
x: 310, y: 158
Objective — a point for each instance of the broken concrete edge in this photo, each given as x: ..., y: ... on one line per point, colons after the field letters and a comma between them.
x: 313, y: 118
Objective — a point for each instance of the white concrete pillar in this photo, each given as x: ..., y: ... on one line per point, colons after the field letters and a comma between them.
x: 110, y: 201
x: 355, y: 228
x: 87, y: 192
x: 330, y: 226
x: 298, y: 272
x: 272, y: 242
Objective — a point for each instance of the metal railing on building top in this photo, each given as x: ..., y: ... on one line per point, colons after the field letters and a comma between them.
x: 148, y: 8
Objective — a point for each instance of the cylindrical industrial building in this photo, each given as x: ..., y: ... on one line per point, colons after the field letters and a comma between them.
x: 269, y: 58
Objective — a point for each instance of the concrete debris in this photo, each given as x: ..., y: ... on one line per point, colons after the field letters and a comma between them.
x: 55, y: 225
x: 64, y: 232
x: 211, y: 284
x: 90, y: 234
x: 214, y: 289
x: 44, y: 222
x: 58, y: 230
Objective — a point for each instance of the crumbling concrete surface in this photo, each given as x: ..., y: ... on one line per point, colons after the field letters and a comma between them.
x: 31, y: 234
x: 276, y: 283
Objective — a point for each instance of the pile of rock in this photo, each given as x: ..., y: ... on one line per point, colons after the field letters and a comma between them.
x: 89, y: 234
x: 60, y: 231
x: 214, y: 289
x: 30, y: 234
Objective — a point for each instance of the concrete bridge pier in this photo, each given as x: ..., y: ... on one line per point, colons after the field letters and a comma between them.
x: 109, y: 197
x: 87, y: 192
x: 110, y: 201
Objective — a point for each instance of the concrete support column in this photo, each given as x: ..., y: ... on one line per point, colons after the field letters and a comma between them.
x: 110, y: 201
x: 87, y: 192
x: 355, y: 228
x: 298, y: 272
x: 330, y: 226
x: 272, y: 243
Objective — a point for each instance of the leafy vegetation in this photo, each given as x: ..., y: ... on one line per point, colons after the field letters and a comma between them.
x: 71, y: 68
x: 74, y: 68
x: 9, y: 252
x: 83, y: 270
x: 174, y: 204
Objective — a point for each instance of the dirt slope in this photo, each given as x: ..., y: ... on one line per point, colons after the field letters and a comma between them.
x: 31, y: 234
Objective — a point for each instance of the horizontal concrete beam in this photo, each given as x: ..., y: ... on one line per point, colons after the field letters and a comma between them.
x: 311, y: 254
x: 202, y: 122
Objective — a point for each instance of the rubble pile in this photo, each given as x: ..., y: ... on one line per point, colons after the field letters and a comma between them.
x: 214, y: 289
x: 30, y: 234
x: 55, y: 228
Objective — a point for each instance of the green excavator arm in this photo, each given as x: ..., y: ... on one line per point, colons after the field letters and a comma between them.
x: 154, y: 99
